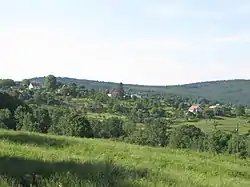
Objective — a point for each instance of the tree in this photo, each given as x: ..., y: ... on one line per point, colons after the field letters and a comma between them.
x: 121, y: 90
x: 79, y: 126
x: 112, y: 128
x: 26, y: 82
x: 237, y: 144
x: 186, y: 137
x: 158, y: 132
x: 50, y: 82
x: 154, y: 134
x: 38, y: 98
x: 42, y: 120
x: 240, y: 110
x: 203, y: 101
x: 20, y: 116
x: 6, y: 83
x: 9, y: 102
x: 28, y: 123
x: 218, y: 142
x: 59, y: 84
x: 208, y: 114
x: 6, y: 119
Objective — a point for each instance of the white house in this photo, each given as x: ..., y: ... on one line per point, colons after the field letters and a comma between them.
x: 34, y: 85
x: 135, y: 95
x: 214, y: 106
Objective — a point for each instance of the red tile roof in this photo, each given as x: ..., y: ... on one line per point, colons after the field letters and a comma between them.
x: 35, y: 84
x: 115, y: 92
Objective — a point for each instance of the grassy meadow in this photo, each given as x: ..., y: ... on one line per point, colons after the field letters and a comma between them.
x: 52, y: 161
x: 223, y: 123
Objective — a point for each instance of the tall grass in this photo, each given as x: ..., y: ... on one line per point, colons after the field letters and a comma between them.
x: 44, y: 160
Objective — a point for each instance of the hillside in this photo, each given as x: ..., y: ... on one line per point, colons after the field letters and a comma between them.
x: 229, y: 91
x: 65, y: 161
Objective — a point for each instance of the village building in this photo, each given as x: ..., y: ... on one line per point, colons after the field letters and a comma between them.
x: 195, y: 109
x: 34, y: 85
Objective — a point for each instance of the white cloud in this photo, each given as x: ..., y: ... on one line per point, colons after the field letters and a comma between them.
x: 164, y: 9
x: 244, y: 8
x: 240, y: 38
x: 186, y: 9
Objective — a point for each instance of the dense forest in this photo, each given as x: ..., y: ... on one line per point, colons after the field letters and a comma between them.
x: 226, y: 91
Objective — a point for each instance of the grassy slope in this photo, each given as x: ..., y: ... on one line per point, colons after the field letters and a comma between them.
x: 86, y: 162
x: 230, y: 91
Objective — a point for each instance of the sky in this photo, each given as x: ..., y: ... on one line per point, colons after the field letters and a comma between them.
x: 150, y: 42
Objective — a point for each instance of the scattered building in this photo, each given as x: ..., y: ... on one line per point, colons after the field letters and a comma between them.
x: 135, y: 95
x: 113, y: 93
x: 213, y: 107
x: 34, y: 85
x: 195, y: 109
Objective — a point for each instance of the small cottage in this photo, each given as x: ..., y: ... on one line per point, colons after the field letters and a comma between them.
x: 195, y: 109
x: 34, y: 85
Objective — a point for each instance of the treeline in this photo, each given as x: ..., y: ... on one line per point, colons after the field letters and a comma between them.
x: 229, y: 91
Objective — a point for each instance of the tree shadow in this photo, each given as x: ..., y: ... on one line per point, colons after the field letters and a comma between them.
x: 35, y: 140
x: 21, y: 172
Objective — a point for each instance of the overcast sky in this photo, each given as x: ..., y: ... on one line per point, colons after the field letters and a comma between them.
x: 154, y: 42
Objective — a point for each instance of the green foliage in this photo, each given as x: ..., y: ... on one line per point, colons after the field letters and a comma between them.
x: 9, y: 102
x: 26, y: 82
x: 237, y: 144
x: 6, y: 83
x: 187, y: 137
x: 6, y: 119
x: 154, y: 134
x: 208, y: 114
x: 121, y: 90
x: 29, y: 123
x: 230, y: 91
x: 240, y: 110
x: 112, y: 128
x: 22, y: 118
x: 219, y: 141
x: 79, y: 126
x: 153, y: 120
x: 70, y: 124
x: 50, y: 82
x: 42, y: 118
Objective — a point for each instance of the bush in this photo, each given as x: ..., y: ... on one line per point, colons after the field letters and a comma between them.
x: 187, y: 137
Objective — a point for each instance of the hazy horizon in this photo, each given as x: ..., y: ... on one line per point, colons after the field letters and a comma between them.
x: 128, y: 83
x: 143, y: 42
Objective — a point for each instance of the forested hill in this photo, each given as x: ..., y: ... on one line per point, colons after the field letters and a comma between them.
x: 229, y: 91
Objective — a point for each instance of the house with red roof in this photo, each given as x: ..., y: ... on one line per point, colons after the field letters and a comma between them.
x: 195, y: 108
x: 114, y: 93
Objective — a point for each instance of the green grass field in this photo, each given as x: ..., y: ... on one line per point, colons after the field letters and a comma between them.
x: 72, y: 162
x: 225, y: 124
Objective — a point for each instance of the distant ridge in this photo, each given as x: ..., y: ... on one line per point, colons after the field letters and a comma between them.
x: 235, y: 91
